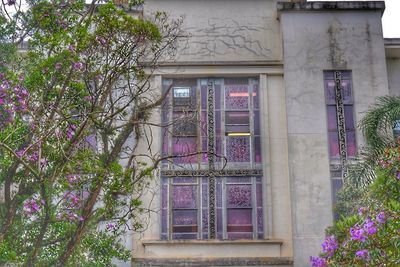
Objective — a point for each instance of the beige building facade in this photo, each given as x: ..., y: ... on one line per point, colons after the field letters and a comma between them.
x: 273, y: 91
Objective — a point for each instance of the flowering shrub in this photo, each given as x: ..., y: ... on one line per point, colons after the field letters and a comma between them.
x: 372, y: 236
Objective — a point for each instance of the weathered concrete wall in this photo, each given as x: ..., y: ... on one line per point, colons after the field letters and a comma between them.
x: 313, y: 42
x: 225, y: 30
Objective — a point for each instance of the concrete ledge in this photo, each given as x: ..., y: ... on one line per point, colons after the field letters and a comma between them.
x: 211, y: 248
x: 331, y: 6
x: 178, y: 262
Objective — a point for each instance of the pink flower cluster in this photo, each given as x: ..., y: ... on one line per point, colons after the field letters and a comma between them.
x: 32, y: 206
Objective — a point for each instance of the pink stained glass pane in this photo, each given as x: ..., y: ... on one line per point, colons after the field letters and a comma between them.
x: 333, y: 144
x: 184, y: 217
x: 238, y: 148
x: 217, y: 96
x: 185, y: 148
x: 259, y: 194
x: 204, y: 146
x: 236, y: 97
x: 184, y: 196
x: 351, y: 143
x: 239, y: 196
x: 217, y: 122
x: 204, y: 97
x: 349, y: 118
x: 330, y: 95
x: 332, y: 119
x: 239, y: 220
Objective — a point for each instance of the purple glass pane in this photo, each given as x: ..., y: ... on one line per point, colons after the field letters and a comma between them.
x: 349, y: 118
x: 218, y: 154
x: 333, y: 144
x: 238, y: 149
x: 256, y: 122
x: 256, y: 97
x: 240, y: 236
x: 239, y: 217
x: 351, y: 143
x: 205, y: 221
x: 164, y: 196
x: 184, y: 217
x: 203, y: 124
x: 217, y: 122
x: 164, y: 180
x: 204, y: 97
x: 237, y: 117
x: 347, y: 95
x: 237, y: 180
x: 204, y: 147
x: 204, y: 196
x: 257, y: 149
x: 259, y: 194
x: 164, y: 221
x: 332, y: 121
x: 184, y: 236
x: 184, y: 196
x: 184, y: 124
x: 260, y: 220
x: 330, y: 96
x: 184, y: 180
x: 236, y: 97
x: 184, y: 146
x: 217, y: 96
x: 260, y: 235
x: 258, y: 179
x: 219, y: 221
x: 219, y: 193
x: 239, y: 196
x: 237, y: 128
x: 165, y: 143
x: 236, y: 81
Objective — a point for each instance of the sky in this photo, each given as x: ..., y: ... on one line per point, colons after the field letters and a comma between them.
x: 390, y: 19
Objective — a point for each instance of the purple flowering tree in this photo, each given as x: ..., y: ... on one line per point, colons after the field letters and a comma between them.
x: 372, y: 236
x: 75, y: 103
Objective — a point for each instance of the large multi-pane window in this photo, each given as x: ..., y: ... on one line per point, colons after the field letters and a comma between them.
x: 211, y: 178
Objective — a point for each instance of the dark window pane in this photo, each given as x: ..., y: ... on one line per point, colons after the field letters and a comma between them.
x: 237, y: 129
x: 348, y: 115
x: 332, y: 119
x: 237, y: 117
x: 257, y: 149
x: 185, y: 124
x: 256, y: 97
x: 239, y: 196
x: 204, y: 97
x: 257, y: 122
x: 236, y: 97
x: 217, y: 96
x: 238, y: 149
x: 333, y: 144
x: 184, y: 236
x: 351, y: 143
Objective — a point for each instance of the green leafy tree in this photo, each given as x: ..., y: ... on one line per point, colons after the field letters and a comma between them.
x: 75, y: 104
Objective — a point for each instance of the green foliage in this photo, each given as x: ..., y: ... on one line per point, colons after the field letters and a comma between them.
x: 70, y: 107
x: 370, y: 236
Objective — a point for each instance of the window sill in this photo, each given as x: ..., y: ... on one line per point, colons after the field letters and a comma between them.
x: 212, y: 248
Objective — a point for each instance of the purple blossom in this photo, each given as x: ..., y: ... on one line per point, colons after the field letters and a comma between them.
x: 30, y: 206
x: 369, y: 227
x: 362, y: 254
x: 11, y: 2
x: 72, y: 199
x: 101, y: 40
x: 70, y: 131
x: 73, y: 178
x: 357, y: 233
x: 33, y: 157
x: 398, y: 175
x: 71, y: 48
x: 20, y: 153
x: 58, y: 66
x: 381, y: 218
x: 318, y: 262
x: 87, y: 98
x: 110, y: 226
x: 329, y: 245
x: 77, y: 65
x: 45, y: 70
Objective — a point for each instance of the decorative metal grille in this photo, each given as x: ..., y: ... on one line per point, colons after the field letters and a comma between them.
x: 340, y: 120
x: 211, y: 163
